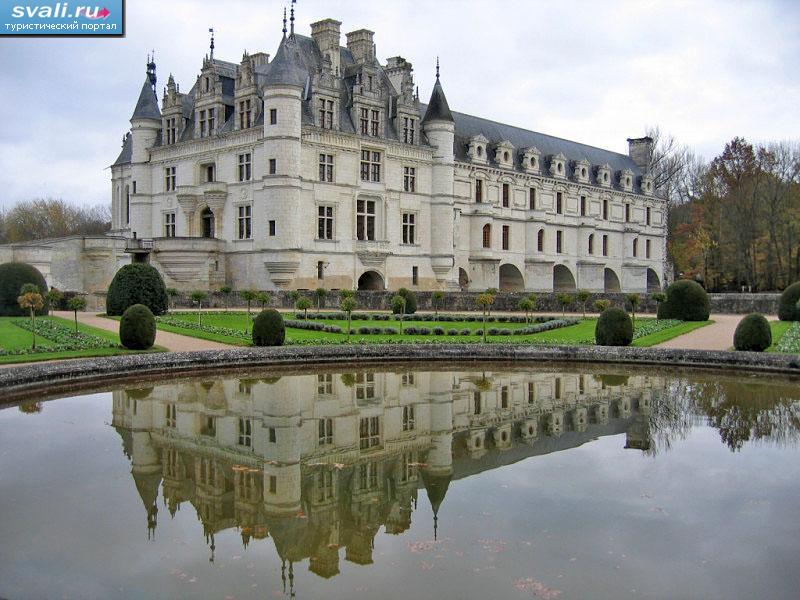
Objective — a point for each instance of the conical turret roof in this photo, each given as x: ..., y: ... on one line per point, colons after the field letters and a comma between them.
x: 147, y: 105
x: 438, y: 109
x: 287, y: 67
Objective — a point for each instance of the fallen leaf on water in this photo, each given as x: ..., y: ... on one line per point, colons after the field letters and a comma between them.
x: 536, y: 588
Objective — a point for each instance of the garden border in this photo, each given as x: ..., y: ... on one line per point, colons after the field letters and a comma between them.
x: 21, y: 382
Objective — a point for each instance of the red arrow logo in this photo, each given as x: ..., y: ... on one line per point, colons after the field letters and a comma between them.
x: 103, y: 14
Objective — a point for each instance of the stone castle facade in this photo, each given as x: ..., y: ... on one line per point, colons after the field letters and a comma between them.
x: 322, y: 168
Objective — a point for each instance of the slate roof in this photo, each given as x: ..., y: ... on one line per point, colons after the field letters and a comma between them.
x: 288, y: 66
x: 147, y: 105
x: 438, y: 109
x: 126, y: 153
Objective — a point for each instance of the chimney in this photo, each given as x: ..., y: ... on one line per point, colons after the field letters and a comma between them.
x: 398, y: 69
x: 326, y: 35
x: 259, y: 58
x: 361, y: 45
x: 641, y: 151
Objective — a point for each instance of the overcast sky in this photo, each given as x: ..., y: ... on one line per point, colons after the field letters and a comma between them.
x: 593, y: 72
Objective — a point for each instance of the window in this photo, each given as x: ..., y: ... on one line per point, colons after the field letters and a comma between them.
x: 407, y: 379
x: 583, y: 206
x: 559, y: 241
x: 506, y: 194
x: 211, y: 120
x: 479, y: 190
x: 324, y: 223
x: 370, y: 166
x: 320, y: 270
x: 367, y: 476
x: 627, y: 213
x: 476, y: 403
x: 365, y: 386
x: 169, y: 224
x: 506, y: 237
x: 244, y: 222
x: 325, y: 384
x: 409, y: 129
x: 128, y: 204
x: 272, y: 435
x: 324, y: 486
x: 210, y: 173
x: 605, y: 210
x: 647, y: 248
x: 408, y: 418
x: 409, y: 228
x: 558, y: 388
x: 273, y: 116
x: 364, y: 121
x: 635, y: 247
x: 487, y: 236
x: 365, y: 220
x: 540, y: 240
x: 647, y: 215
x: 171, y: 131
x: 202, y: 120
x: 532, y: 199
x: 172, y: 416
x: 531, y: 392
x: 415, y: 275
x: 245, y: 167
x: 209, y: 427
x: 326, y: 113
x: 245, y: 432
x: 326, y: 167
x: 273, y: 166
x: 374, y: 122
x: 409, y: 179
x: 272, y: 228
x: 591, y: 243
x: 273, y: 484
x: 559, y: 203
x: 245, y: 114
x: 369, y: 432
x: 169, y: 179
x: 605, y: 245
x: 504, y: 397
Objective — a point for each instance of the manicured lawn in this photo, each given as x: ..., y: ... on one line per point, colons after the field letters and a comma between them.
x: 13, y: 337
x: 785, y: 337
x: 581, y: 333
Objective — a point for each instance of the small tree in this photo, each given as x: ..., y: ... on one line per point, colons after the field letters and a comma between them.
x: 527, y: 306
x: 533, y: 298
x: 346, y: 294
x: 348, y: 305
x: 633, y: 300
x: 583, y: 298
x: 437, y: 298
x: 30, y: 299
x: 493, y: 293
x: 75, y: 304
x: 198, y: 297
x: 658, y: 298
x: 320, y: 293
x: 399, y: 308
x: 172, y: 293
x: 564, y: 300
x: 601, y: 305
x: 303, y: 304
x: 53, y: 298
x: 294, y: 296
x: 265, y: 298
x: 226, y: 292
x: 248, y: 296
x: 485, y: 301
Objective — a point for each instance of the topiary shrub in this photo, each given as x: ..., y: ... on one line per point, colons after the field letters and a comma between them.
x: 137, y: 328
x: 787, y: 305
x: 268, y: 328
x: 411, y: 301
x: 137, y: 283
x: 686, y: 301
x: 13, y: 276
x: 614, y: 328
x: 438, y: 331
x: 753, y: 334
x: 452, y: 331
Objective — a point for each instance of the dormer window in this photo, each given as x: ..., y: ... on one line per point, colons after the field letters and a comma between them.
x: 245, y: 114
x: 477, y: 149
x: 480, y: 151
x: 604, y: 175
x: 208, y: 84
x: 557, y: 165
x: 170, y: 131
x: 374, y: 121
x: 409, y: 130
x: 530, y: 160
x: 370, y: 120
x: 325, y: 113
x: 626, y: 180
x: 505, y: 156
x: 206, y: 120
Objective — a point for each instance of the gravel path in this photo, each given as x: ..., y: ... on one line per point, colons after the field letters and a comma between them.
x: 717, y: 336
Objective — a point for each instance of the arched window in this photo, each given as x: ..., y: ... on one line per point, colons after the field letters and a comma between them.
x: 591, y: 243
x: 635, y: 247
x: 540, y: 240
x: 487, y: 236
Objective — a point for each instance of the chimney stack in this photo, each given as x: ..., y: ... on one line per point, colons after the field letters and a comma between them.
x: 641, y: 151
x: 361, y: 45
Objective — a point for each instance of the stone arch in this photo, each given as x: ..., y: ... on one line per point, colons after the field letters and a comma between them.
x: 207, y: 223
x: 611, y: 281
x: 653, y: 281
x: 563, y: 279
x: 511, y: 279
x: 463, y: 280
x: 371, y: 280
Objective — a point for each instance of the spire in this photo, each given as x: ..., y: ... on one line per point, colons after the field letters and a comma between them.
x: 437, y: 68
x: 291, y: 19
x: 151, y: 70
x: 284, y: 23
x: 147, y: 104
x: 211, y: 31
x: 438, y: 109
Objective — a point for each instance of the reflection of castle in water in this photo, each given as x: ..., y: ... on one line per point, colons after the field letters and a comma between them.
x: 320, y: 462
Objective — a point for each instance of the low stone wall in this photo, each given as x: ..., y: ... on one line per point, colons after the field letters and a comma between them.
x: 46, y: 380
x: 506, y: 301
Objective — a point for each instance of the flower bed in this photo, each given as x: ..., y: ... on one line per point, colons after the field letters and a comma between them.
x: 62, y: 337
x: 644, y: 328
x: 186, y: 324
x: 427, y: 317
x: 790, y: 342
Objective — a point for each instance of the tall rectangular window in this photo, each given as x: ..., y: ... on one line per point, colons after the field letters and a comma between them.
x: 171, y: 131
x: 325, y: 384
x: 506, y: 237
x: 605, y: 245
x: 169, y: 179
x: 374, y: 122
x: 369, y: 432
x: 627, y: 213
x: 487, y: 236
x: 272, y: 435
x: 415, y: 275
x: 169, y: 224
x: 559, y: 241
x: 272, y: 228
x: 506, y: 194
x: 326, y: 113
x: 647, y: 248
x: 244, y: 222
x: 325, y: 222
x: 245, y: 167
x: 365, y: 386
x: 211, y: 120
x: 370, y: 166
x: 365, y: 220
x: 172, y: 416
x: 409, y: 129
x: 273, y: 116
x: 273, y: 484
x: 245, y: 114
x: 245, y: 431
x: 559, y: 203
x: 647, y: 215
x: 202, y: 120
x: 479, y: 190
x: 320, y: 270
x: 273, y: 166
x: 326, y: 168
x: 605, y: 210
x: 364, y: 121
x: 211, y: 173
x: 583, y: 206
x: 409, y: 228
x: 532, y: 199
x: 635, y: 248
x: 325, y: 432
x: 409, y: 422
x: 409, y: 179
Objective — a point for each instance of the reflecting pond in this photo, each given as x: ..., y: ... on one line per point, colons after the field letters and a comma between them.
x: 406, y: 483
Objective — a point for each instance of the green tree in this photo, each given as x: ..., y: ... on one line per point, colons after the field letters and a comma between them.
x: 634, y: 300
x: 438, y: 299
x: 265, y: 298
x: 303, y: 304
x: 226, y: 292
x: 198, y: 297
x: 485, y: 301
x: 248, y: 296
x: 30, y: 299
x: 493, y: 293
x: 601, y: 305
x: 346, y: 294
x: 75, y: 304
x: 348, y: 305
x: 564, y: 300
x: 172, y: 293
x: 527, y: 306
x: 399, y: 308
x: 294, y: 296
x: 583, y: 298
x: 53, y: 298
x: 320, y: 293
x: 658, y: 298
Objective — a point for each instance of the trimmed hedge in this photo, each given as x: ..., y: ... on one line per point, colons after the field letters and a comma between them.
x: 614, y: 328
x: 268, y: 328
x: 411, y: 300
x: 753, y: 333
x: 137, y: 328
x: 686, y: 301
x: 137, y: 283
x: 13, y: 276
x: 788, y: 309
